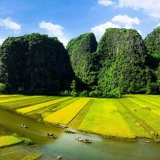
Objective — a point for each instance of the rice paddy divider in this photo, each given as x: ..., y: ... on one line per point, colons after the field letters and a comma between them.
x: 76, y: 121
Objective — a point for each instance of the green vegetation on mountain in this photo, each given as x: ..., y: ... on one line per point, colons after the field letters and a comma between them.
x: 35, y: 64
x: 122, y: 63
x: 81, y: 51
x: 152, y: 43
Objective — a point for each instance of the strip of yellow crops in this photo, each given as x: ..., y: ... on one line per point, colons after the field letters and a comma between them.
x: 8, y: 140
x: 149, y: 99
x: 103, y: 118
x: 144, y: 104
x: 65, y: 115
x: 7, y: 95
x: 16, y: 98
x: 13, y: 105
x: 138, y: 102
x: 52, y: 108
x: 155, y: 112
x: 41, y: 105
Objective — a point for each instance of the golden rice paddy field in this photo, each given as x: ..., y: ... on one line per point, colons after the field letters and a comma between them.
x: 8, y: 140
x: 129, y: 117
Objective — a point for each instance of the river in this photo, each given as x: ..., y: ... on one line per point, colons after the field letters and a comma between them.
x: 66, y: 145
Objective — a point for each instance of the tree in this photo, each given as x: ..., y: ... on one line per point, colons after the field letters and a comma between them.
x: 73, y: 86
x: 2, y: 87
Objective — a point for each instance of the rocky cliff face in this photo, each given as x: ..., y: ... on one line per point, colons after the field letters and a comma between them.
x: 35, y: 64
x: 81, y: 51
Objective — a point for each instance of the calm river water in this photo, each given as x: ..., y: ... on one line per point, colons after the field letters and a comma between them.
x: 70, y: 149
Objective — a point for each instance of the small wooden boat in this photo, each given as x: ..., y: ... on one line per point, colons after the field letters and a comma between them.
x: 87, y: 141
x: 69, y: 131
x: 62, y: 126
x: 83, y: 140
x: 51, y: 135
x: 23, y: 125
x: 79, y: 139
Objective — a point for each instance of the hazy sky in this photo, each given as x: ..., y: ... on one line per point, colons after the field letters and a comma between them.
x: 68, y: 19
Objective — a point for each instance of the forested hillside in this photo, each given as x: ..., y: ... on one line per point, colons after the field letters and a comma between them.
x: 81, y: 52
x: 122, y: 62
x: 35, y: 64
x: 152, y: 43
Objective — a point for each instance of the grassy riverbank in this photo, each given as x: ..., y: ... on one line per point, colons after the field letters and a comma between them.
x: 133, y: 116
x: 8, y: 139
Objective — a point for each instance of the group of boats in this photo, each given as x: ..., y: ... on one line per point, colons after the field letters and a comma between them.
x: 67, y: 130
x: 51, y: 135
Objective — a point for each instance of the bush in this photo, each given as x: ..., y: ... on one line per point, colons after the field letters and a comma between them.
x: 157, y: 140
x: 2, y: 87
x: 66, y: 93
x: 25, y: 140
x: 73, y: 93
x: 15, y: 135
x: 94, y: 93
x: 84, y: 93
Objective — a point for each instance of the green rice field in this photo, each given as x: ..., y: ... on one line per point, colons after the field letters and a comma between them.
x: 133, y: 116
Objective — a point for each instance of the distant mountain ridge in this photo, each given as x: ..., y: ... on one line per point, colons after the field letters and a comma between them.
x: 122, y: 62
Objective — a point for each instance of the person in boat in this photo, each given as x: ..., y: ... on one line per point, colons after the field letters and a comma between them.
x: 87, y: 140
x: 49, y: 134
x: 23, y: 125
x: 79, y: 138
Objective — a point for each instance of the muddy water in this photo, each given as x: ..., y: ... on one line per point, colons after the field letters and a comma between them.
x: 66, y: 145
